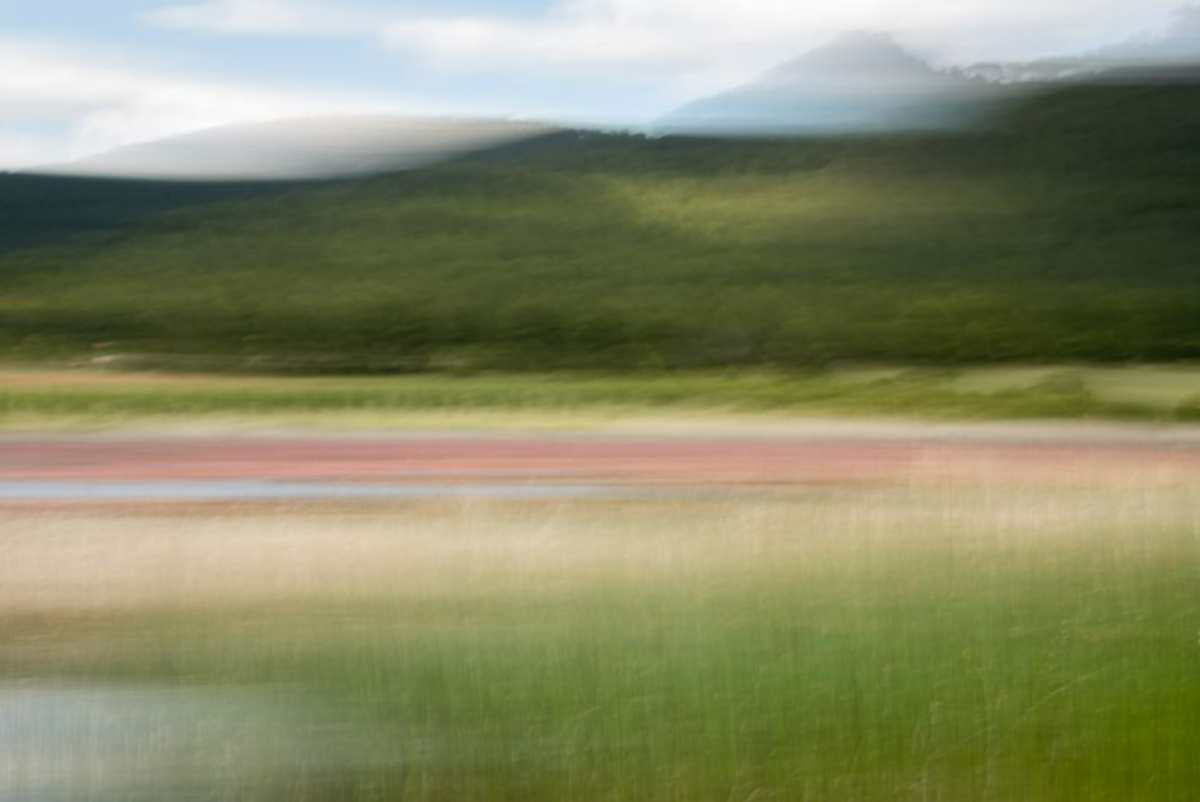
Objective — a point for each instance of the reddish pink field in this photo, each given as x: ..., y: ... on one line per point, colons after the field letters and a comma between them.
x: 663, y: 460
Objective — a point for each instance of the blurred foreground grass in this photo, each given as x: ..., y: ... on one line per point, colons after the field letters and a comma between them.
x: 1063, y: 392
x: 957, y: 643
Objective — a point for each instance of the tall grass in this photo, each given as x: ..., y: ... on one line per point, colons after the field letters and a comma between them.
x: 963, y: 643
x: 1063, y: 392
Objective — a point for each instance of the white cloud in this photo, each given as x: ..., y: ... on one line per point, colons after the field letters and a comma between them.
x: 649, y: 54
x: 475, y: 41
x: 685, y: 47
x: 684, y: 34
x: 276, y: 17
x: 102, y: 102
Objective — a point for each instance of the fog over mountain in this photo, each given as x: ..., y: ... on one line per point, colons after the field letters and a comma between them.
x: 859, y: 82
x: 315, y: 147
x: 1177, y: 47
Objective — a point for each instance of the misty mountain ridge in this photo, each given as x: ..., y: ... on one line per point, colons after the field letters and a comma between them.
x: 858, y: 82
x: 865, y: 82
x: 303, y: 148
x: 1169, y: 55
x: 857, y: 56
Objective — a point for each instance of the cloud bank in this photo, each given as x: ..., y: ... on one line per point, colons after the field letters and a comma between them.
x: 626, y: 60
x: 666, y: 52
x: 84, y: 101
x: 275, y: 17
x: 686, y: 33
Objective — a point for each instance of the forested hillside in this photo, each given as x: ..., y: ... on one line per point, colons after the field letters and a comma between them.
x: 1070, y: 230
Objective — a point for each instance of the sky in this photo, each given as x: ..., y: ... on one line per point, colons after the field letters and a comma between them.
x: 79, y: 77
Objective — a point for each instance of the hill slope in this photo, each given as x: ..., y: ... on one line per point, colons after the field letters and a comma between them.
x: 47, y: 209
x: 1070, y: 233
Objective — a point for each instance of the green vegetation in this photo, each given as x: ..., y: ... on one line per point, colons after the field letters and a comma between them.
x: 1149, y: 394
x: 46, y: 209
x: 1069, y: 232
x: 961, y: 645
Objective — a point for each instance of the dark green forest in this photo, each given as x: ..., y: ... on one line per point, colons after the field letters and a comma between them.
x: 1068, y: 230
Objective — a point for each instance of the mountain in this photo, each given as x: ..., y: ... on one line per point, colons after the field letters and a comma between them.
x: 858, y: 83
x: 1068, y: 232
x: 1173, y: 55
x: 294, y: 149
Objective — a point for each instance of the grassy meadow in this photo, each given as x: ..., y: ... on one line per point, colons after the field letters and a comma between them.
x: 40, y: 398
x: 966, y: 642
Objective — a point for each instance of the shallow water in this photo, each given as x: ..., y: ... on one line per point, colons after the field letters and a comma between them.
x: 119, y: 743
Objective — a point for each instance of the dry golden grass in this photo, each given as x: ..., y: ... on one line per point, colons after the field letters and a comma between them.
x: 228, y: 555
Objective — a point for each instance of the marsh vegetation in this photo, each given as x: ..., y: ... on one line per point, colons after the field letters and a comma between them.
x: 977, y: 640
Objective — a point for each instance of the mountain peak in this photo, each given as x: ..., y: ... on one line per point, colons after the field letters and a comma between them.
x: 866, y: 55
x: 861, y: 81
